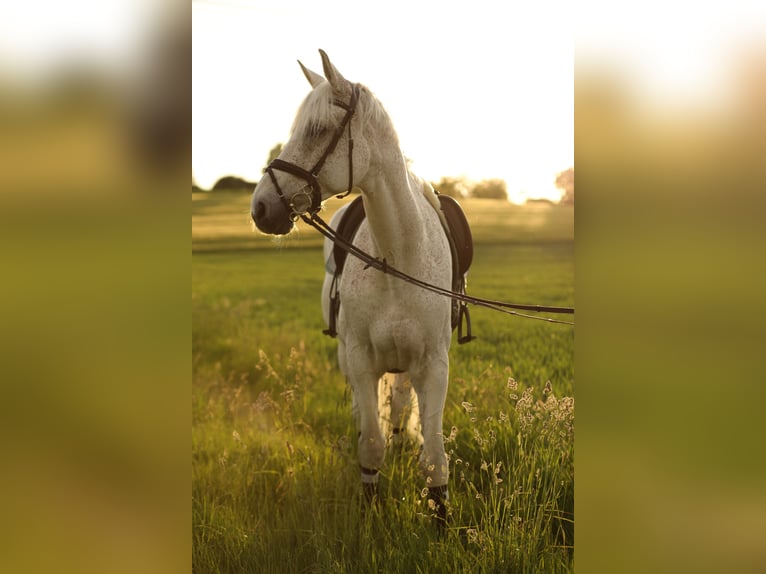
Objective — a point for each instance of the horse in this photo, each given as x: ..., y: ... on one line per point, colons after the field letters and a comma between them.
x: 384, y: 325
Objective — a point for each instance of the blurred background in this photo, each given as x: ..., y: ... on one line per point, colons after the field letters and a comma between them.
x: 670, y: 133
x: 95, y: 135
x: 93, y: 97
x: 95, y: 142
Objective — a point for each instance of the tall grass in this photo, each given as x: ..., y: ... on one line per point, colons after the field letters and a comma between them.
x: 276, y: 488
x: 275, y: 476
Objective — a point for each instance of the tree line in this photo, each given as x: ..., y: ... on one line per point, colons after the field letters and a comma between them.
x: 458, y: 187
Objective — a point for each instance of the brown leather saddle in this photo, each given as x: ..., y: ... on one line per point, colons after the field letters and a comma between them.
x: 461, y: 247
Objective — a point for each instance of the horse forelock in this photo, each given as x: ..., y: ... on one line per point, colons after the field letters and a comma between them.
x: 315, y: 109
x: 318, y: 108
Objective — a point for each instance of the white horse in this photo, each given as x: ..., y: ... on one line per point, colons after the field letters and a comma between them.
x: 384, y: 325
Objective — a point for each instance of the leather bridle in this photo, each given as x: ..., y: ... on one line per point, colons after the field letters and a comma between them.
x: 305, y: 201
x: 308, y: 213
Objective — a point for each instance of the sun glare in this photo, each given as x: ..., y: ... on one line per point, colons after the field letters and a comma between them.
x: 476, y: 109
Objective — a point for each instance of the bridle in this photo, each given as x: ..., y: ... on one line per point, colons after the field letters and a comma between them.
x: 306, y: 201
x: 311, y: 203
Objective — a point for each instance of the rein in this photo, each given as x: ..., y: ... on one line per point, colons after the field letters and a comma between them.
x: 381, y: 265
x: 311, y: 202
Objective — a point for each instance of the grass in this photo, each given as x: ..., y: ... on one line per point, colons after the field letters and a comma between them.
x: 275, y: 477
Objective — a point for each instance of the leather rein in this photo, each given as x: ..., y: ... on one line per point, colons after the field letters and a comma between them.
x: 309, y: 210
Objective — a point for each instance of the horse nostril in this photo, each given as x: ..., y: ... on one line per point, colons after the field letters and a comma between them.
x: 260, y: 211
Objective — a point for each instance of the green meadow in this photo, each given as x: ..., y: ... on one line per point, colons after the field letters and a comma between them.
x: 275, y: 479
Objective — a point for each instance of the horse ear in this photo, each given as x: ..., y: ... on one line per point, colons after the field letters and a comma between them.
x: 337, y: 81
x: 313, y: 78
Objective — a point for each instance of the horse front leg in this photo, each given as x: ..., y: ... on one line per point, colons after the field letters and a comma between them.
x: 371, y: 441
x: 431, y: 389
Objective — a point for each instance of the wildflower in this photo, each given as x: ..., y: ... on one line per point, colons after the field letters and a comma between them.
x: 467, y: 406
x: 526, y: 397
x: 473, y: 535
x: 551, y: 404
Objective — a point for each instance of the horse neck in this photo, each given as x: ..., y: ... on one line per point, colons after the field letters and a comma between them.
x: 394, y: 202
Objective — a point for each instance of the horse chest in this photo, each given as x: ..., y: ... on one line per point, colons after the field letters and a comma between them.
x: 396, y: 341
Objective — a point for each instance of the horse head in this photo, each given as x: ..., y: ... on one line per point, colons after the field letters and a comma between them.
x: 326, y: 154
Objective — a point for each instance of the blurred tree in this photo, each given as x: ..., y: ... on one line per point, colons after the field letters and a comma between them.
x: 565, y: 182
x: 490, y: 189
x: 232, y: 183
x: 158, y: 105
x: 452, y: 186
x: 274, y: 153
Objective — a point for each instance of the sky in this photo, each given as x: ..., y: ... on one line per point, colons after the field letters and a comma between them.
x: 40, y: 37
x: 475, y: 89
x: 479, y: 89
x: 671, y: 54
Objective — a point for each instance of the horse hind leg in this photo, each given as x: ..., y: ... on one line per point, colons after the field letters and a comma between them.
x: 398, y: 405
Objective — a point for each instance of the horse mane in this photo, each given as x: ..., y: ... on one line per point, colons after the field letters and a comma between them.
x: 318, y: 108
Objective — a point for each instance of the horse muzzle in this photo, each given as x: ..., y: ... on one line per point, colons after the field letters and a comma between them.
x: 270, y: 214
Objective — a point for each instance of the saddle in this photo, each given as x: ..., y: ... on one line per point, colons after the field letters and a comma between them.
x: 461, y: 247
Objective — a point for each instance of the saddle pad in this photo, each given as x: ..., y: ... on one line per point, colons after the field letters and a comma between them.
x: 460, y: 231
x: 453, y: 213
x: 347, y: 227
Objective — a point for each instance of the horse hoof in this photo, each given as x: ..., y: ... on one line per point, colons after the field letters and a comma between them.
x: 439, y: 496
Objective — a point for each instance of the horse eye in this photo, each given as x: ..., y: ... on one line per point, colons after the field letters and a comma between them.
x: 316, y: 131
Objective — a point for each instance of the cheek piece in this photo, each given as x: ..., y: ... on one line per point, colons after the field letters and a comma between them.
x: 309, y: 198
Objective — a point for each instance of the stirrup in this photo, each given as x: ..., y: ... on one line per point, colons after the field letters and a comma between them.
x: 331, y: 331
x: 464, y: 314
x: 334, y: 307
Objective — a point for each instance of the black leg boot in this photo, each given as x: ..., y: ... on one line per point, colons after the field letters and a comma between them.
x: 440, y: 496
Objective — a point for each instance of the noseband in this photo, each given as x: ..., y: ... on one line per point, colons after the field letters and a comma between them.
x: 315, y: 196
